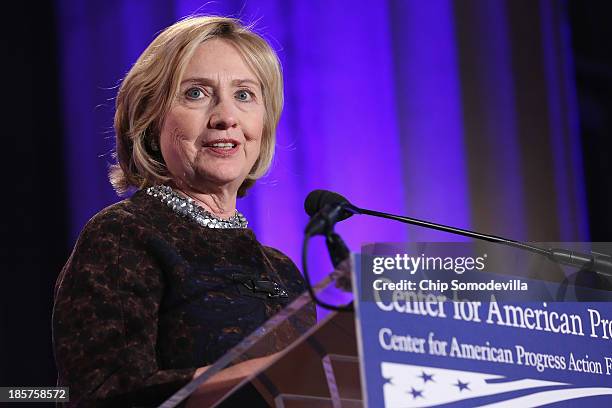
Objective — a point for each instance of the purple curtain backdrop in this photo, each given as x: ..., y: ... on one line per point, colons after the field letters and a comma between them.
x: 375, y: 109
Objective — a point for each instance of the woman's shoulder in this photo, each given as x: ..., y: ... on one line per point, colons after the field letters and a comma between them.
x: 112, y: 219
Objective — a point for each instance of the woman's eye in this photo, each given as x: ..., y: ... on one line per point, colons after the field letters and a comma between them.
x: 244, y: 95
x: 194, y: 93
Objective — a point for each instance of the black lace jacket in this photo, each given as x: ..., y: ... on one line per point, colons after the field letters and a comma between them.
x: 147, y: 297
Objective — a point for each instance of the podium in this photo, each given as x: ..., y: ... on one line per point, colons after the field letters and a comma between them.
x: 303, y: 365
x: 319, y: 370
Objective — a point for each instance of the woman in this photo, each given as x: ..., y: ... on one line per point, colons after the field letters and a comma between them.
x: 155, y: 289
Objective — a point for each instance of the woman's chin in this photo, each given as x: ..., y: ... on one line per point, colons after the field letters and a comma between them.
x: 218, y: 179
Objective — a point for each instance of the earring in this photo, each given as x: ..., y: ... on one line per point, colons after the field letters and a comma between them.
x: 154, y: 145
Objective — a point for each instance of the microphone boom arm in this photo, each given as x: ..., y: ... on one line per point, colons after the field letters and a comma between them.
x: 453, y: 230
x: 600, y: 263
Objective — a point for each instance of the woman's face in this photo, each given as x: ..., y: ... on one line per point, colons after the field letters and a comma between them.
x: 211, y: 136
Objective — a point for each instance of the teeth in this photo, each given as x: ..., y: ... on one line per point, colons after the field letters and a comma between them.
x: 223, y: 145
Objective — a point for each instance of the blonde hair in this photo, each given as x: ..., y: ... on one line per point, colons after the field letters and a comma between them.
x: 148, y: 90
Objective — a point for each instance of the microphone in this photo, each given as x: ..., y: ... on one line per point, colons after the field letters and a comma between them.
x: 326, y: 208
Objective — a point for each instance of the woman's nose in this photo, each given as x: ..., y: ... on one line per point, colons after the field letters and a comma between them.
x: 223, y: 116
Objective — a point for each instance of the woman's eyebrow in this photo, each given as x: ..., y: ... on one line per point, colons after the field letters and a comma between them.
x: 210, y: 81
x: 237, y: 82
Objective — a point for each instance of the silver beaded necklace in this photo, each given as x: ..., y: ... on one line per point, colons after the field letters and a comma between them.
x: 187, y: 208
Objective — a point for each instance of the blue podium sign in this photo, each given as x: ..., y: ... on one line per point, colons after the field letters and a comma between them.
x: 422, y: 349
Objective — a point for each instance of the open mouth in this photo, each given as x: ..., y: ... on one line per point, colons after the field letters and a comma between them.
x: 222, y: 146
